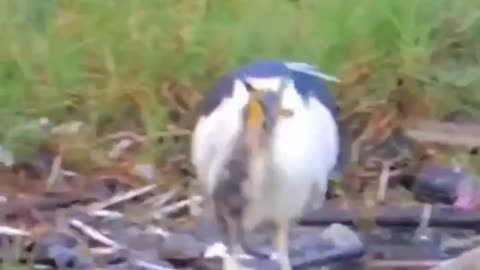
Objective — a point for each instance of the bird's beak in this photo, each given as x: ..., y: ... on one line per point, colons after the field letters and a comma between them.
x: 262, y: 110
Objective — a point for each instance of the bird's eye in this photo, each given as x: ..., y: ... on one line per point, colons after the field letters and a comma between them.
x: 248, y: 86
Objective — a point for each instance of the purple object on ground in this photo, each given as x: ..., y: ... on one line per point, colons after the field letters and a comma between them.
x: 438, y: 184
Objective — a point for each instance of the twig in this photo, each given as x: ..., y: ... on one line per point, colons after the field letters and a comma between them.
x: 391, y: 215
x: 391, y: 264
x: 158, y: 231
x: 141, y: 139
x: 107, y: 214
x: 177, y: 205
x: 69, y: 173
x: 383, y: 182
x: 454, y: 134
x: 148, y: 265
x: 102, y: 250
x: 173, y: 133
x: 55, y: 171
x: 122, y: 197
x: 447, y: 139
x: 41, y: 266
x: 119, y: 148
x: 5, y: 230
x: 94, y: 234
x: 125, y: 135
x: 162, y: 199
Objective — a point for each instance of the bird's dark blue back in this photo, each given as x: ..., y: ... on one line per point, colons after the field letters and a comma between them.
x: 307, y: 85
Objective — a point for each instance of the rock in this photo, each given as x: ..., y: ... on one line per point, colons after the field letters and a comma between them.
x: 437, y: 184
x: 215, y: 250
x: 466, y: 261
x: 342, y: 237
x: 68, y: 258
x: 179, y: 246
x: 62, y: 251
x: 337, y: 243
x: 446, y: 185
x: 136, y: 239
x: 309, y: 247
x: 58, y: 239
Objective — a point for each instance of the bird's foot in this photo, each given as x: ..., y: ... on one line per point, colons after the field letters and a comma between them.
x: 285, y: 264
x: 230, y: 262
x: 282, y: 246
x: 422, y: 232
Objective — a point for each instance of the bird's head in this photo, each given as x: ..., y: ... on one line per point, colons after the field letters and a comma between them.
x: 262, y: 113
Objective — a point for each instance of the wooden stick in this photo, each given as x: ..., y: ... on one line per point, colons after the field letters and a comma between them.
x: 122, y: 197
x: 442, y: 216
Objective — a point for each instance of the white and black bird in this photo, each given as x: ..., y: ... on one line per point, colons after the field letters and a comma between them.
x: 266, y: 137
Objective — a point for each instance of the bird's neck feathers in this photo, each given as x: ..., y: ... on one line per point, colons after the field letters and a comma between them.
x: 254, y: 115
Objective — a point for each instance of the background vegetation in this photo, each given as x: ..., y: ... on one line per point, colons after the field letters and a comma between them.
x: 109, y: 63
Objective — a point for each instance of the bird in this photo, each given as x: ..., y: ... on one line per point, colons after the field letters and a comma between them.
x: 266, y: 137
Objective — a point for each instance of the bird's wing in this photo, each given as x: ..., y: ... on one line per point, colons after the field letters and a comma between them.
x: 310, y: 69
x: 214, y: 136
x: 309, y: 82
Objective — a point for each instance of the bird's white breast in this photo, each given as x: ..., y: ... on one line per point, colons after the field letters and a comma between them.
x: 303, y: 153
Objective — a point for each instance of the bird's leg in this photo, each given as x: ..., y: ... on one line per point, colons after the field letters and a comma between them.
x: 230, y: 262
x: 246, y: 248
x: 383, y: 182
x: 368, y: 217
x: 282, y: 245
x: 422, y: 229
x: 233, y: 234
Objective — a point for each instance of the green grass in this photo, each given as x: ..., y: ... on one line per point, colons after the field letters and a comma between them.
x: 105, y: 62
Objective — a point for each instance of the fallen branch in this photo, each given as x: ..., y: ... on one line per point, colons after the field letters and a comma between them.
x: 442, y: 216
x: 55, y: 172
x: 111, y: 245
x: 119, y: 148
x: 102, y: 250
x: 121, y: 135
x: 180, y: 204
x: 107, y: 214
x: 94, y: 234
x: 161, y: 199
x: 383, y: 182
x: 173, y: 133
x: 147, y: 265
x: 453, y: 134
x: 394, y: 264
x: 5, y: 230
x: 122, y: 197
